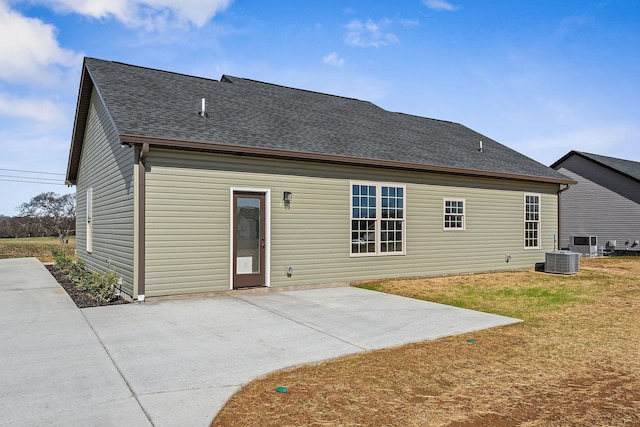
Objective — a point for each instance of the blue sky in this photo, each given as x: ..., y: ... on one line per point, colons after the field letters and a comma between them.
x: 542, y: 77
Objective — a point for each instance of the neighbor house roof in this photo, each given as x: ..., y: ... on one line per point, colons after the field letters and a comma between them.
x: 628, y: 168
x: 250, y: 117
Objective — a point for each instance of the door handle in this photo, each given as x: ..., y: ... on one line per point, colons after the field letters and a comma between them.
x: 262, y: 242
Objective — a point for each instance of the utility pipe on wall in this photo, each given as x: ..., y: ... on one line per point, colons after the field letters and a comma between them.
x: 560, y: 215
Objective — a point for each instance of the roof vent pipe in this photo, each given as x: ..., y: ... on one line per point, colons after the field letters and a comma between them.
x: 480, y: 149
x: 203, y: 111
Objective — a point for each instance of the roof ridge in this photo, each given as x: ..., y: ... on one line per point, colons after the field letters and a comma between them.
x: 229, y: 77
x: 624, y: 167
x: 152, y: 69
x: 427, y: 118
x: 607, y: 157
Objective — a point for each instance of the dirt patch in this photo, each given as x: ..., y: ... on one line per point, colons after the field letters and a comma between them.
x: 80, y: 297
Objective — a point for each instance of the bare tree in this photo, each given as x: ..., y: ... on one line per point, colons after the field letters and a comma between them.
x: 51, y: 213
x: 13, y: 226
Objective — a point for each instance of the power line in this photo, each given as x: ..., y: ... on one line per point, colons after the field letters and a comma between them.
x: 43, y: 173
x: 32, y: 182
x: 30, y: 177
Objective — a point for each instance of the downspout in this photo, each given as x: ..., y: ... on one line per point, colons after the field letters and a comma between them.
x: 141, y: 219
x: 559, y: 213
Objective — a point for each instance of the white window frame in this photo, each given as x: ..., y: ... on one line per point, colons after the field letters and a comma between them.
x: 89, y: 218
x: 378, y: 218
x: 535, y: 220
x: 463, y: 215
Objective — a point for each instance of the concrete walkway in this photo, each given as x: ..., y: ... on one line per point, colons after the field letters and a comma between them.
x: 53, y: 368
x: 175, y: 363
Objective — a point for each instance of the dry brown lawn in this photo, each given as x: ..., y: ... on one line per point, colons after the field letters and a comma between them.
x: 574, y: 361
x: 40, y: 247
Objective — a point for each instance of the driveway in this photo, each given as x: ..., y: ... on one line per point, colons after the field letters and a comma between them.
x: 176, y: 362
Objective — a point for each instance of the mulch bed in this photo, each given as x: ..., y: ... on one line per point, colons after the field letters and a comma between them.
x: 80, y: 297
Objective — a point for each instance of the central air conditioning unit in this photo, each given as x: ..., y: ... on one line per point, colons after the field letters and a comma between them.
x: 586, y: 245
x: 562, y: 262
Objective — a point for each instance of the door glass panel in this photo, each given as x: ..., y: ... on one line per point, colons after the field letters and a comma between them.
x: 248, y: 235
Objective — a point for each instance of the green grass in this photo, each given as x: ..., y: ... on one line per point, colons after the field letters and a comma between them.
x: 516, y: 302
x: 39, y: 247
x: 524, y: 295
x: 372, y: 286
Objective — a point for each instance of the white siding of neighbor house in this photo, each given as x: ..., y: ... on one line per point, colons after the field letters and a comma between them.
x: 107, y: 169
x: 188, y: 215
x: 604, y: 203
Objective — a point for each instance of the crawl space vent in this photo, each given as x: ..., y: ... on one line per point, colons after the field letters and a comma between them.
x: 562, y: 262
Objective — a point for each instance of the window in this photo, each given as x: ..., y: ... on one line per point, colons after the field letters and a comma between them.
x: 90, y: 220
x: 377, y: 219
x: 585, y: 241
x: 454, y: 214
x: 532, y: 221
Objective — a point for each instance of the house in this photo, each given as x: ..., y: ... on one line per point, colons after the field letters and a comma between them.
x: 603, y: 210
x: 192, y: 185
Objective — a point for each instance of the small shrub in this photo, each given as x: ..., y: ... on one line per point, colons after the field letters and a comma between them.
x: 79, y: 274
x: 61, y: 260
x: 102, y: 287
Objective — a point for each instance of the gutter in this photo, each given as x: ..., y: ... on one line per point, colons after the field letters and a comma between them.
x: 326, y: 158
x: 142, y: 173
x: 560, y: 191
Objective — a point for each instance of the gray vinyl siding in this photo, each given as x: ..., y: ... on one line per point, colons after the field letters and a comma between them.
x: 108, y: 169
x: 188, y: 215
x: 603, y: 204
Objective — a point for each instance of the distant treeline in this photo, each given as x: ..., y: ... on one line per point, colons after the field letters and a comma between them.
x: 21, y: 226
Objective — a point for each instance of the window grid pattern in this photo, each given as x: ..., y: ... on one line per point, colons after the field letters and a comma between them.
x: 391, y: 236
x: 391, y: 230
x: 363, y: 236
x: 532, y: 221
x: 363, y: 201
x: 363, y: 231
x: 454, y: 215
x: 377, y: 219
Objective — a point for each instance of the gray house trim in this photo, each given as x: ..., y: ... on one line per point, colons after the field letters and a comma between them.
x: 605, y: 202
x: 108, y: 170
x: 627, y: 168
x: 85, y: 92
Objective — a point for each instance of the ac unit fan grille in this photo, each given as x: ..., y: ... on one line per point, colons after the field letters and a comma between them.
x: 562, y: 262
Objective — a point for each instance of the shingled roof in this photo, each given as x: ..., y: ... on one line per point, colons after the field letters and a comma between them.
x: 628, y: 168
x: 250, y: 117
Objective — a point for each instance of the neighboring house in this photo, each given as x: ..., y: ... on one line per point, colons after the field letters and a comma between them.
x: 191, y: 185
x: 605, y: 204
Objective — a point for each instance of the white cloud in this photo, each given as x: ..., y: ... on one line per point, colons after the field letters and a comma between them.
x: 408, y: 23
x: 40, y: 110
x: 440, y: 5
x: 333, y: 59
x: 370, y: 34
x: 29, y: 50
x: 148, y: 14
